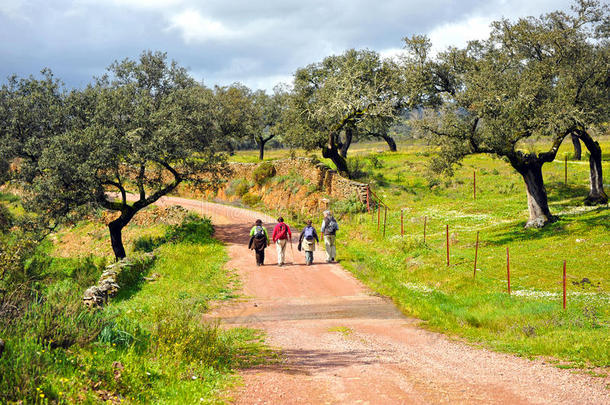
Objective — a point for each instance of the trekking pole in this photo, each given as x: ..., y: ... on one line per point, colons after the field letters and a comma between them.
x: 292, y: 251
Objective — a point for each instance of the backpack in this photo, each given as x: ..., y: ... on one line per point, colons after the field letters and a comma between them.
x: 308, y: 233
x: 259, y: 233
x: 282, y: 231
x: 332, y: 226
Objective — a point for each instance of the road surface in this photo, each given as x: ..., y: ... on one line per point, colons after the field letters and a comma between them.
x: 343, y: 344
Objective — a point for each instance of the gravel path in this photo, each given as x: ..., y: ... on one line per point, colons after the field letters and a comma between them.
x: 343, y: 344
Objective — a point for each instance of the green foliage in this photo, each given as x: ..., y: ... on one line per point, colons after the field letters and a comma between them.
x: 193, y: 229
x: 147, y: 345
x: 355, y: 92
x: 60, y: 319
x: 352, y: 206
x: 238, y: 187
x: 483, y: 110
x: 144, y: 127
x: 6, y: 218
x: 375, y: 162
x: 356, y: 168
x: 251, y: 199
x: 263, y: 172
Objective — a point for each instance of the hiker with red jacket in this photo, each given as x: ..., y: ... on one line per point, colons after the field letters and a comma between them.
x: 281, y: 235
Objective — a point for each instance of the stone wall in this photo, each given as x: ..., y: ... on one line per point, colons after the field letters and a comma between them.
x: 327, y: 181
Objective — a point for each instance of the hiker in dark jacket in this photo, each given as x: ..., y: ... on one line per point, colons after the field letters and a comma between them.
x: 329, y: 230
x: 259, y: 240
x: 307, y: 241
x: 281, y: 235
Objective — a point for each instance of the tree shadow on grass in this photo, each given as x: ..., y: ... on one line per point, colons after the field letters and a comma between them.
x: 568, y: 195
x: 514, y: 233
x: 131, y: 279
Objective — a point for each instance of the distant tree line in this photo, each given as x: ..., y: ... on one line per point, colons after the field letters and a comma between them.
x: 134, y: 134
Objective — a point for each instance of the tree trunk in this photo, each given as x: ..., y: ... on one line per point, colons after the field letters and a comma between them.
x: 390, y: 141
x: 116, y: 238
x: 537, y: 201
x: 597, y: 195
x: 330, y: 151
x: 577, y: 148
x: 230, y: 148
x: 344, y: 146
x: 261, y: 148
x: 116, y: 231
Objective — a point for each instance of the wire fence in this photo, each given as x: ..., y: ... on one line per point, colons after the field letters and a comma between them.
x: 375, y: 205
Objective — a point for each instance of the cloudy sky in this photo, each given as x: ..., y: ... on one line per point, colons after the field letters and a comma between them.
x: 258, y: 43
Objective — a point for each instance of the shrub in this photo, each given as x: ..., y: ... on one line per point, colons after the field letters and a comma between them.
x: 250, y: 199
x: 148, y: 243
x: 352, y: 205
x: 263, y: 172
x: 6, y: 219
x: 238, y: 187
x: 59, y: 319
x: 355, y: 166
x: 375, y: 162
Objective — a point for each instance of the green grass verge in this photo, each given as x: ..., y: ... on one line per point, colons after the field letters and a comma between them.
x: 150, y: 344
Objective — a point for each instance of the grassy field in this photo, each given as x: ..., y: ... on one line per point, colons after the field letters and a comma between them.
x: 529, y: 322
x: 149, y: 344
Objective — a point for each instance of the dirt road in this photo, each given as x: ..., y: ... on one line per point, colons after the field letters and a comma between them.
x: 343, y: 344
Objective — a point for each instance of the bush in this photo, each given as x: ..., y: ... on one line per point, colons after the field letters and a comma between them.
x: 148, y: 243
x: 375, y: 162
x: 251, y: 199
x: 263, y: 172
x: 355, y: 166
x: 352, y: 205
x: 6, y: 219
x: 238, y: 187
x: 59, y: 319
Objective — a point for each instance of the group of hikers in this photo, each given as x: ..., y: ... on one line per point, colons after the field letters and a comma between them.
x: 282, y: 235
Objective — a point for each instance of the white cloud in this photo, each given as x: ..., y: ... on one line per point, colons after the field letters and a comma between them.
x: 459, y: 33
x: 391, y: 53
x: 195, y: 27
x: 138, y: 4
x: 14, y: 9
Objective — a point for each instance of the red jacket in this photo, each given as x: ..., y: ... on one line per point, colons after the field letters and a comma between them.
x: 281, y: 231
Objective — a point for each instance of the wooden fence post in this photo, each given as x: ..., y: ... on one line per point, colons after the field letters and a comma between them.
x: 385, y: 217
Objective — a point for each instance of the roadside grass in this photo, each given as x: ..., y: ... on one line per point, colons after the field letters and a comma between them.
x: 529, y: 322
x: 149, y: 344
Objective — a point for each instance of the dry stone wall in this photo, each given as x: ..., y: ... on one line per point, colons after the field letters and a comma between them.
x: 327, y: 181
